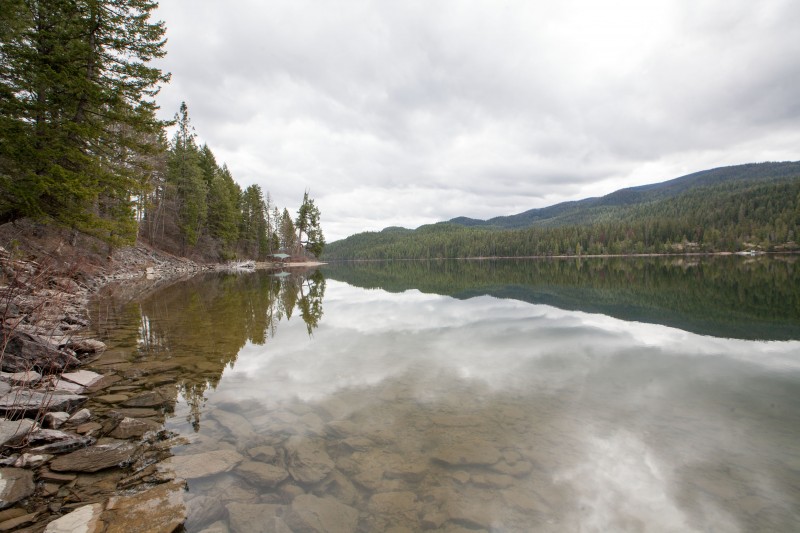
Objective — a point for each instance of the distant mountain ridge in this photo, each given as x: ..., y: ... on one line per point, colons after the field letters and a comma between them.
x: 565, y: 212
x: 752, y: 206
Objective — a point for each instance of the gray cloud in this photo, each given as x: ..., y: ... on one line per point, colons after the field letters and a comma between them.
x: 413, y: 112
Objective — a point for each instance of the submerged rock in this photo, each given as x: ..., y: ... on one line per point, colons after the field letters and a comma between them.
x: 161, y: 508
x: 474, y: 453
x: 154, y: 398
x: 321, y: 515
x: 203, y: 510
x: 249, y: 517
x: 15, y: 484
x: 86, y: 346
x: 261, y: 474
x: 202, y: 465
x: 129, y: 428
x: 308, y: 460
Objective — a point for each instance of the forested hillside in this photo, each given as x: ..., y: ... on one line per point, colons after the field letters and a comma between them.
x: 81, y: 146
x: 728, y: 209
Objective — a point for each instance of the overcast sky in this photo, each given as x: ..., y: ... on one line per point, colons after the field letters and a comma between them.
x: 405, y: 112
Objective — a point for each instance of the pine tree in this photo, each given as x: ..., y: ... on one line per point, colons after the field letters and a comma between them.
x: 253, y: 229
x: 77, y: 113
x: 308, y: 223
x: 286, y: 232
x: 186, y: 175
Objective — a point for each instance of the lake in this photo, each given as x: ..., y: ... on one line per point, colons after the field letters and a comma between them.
x: 658, y: 394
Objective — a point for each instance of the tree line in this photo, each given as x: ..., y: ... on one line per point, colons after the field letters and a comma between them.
x: 81, y: 146
x: 736, y: 216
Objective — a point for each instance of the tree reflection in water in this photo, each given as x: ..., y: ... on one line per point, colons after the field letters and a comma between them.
x: 199, y: 325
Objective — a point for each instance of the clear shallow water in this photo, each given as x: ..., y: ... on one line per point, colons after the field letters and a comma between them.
x: 423, y: 411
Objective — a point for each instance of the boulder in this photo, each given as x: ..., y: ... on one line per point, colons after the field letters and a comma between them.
x: 15, y: 484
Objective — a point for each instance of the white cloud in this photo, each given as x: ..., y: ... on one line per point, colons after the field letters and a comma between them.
x: 490, y: 108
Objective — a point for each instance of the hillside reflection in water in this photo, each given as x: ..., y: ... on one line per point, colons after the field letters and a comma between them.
x: 430, y: 412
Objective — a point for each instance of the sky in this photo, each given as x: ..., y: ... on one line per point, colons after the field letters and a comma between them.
x: 413, y: 112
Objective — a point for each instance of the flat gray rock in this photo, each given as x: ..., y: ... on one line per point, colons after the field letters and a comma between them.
x: 84, y: 378
x: 27, y: 377
x: 11, y: 430
x: 29, y: 402
x: 15, y: 484
x: 94, y: 458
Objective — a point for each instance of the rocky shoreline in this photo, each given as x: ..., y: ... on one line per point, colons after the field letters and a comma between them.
x: 62, y: 466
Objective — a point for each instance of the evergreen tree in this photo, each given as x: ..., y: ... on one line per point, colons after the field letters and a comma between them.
x: 77, y: 112
x: 307, y: 224
x: 286, y: 232
x: 253, y: 229
x: 223, y: 207
x: 186, y: 175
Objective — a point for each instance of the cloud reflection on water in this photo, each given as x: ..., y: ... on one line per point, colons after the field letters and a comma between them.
x: 650, y: 427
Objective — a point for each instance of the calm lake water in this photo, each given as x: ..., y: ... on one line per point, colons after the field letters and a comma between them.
x: 594, y: 395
